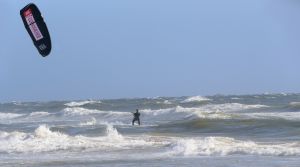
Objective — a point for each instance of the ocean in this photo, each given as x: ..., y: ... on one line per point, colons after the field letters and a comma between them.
x: 217, y: 131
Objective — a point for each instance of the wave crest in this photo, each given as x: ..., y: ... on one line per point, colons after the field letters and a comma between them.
x: 228, y: 146
x: 45, y: 140
x: 39, y: 113
x: 195, y: 99
x: 79, y: 111
x: 9, y: 115
x: 294, y: 105
x: 81, y: 103
x: 210, y: 111
x: 93, y: 121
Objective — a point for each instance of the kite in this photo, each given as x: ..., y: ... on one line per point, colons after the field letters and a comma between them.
x: 37, y: 28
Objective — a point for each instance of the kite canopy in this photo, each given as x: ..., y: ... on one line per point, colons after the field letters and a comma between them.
x: 37, y: 29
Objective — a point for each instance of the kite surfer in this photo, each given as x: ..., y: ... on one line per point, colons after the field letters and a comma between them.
x: 136, y: 117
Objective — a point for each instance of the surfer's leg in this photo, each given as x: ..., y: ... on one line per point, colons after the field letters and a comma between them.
x: 134, y: 119
x: 139, y: 121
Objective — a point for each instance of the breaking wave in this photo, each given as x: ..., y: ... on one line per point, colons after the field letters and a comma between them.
x: 210, y: 111
x: 45, y: 140
x: 228, y: 146
x: 40, y: 113
x: 195, y: 99
x: 291, y: 116
x: 79, y: 111
x: 81, y: 103
x: 294, y: 105
x: 4, y: 116
x: 93, y: 121
x: 84, y: 111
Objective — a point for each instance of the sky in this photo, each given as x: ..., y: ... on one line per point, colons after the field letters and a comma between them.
x: 131, y: 48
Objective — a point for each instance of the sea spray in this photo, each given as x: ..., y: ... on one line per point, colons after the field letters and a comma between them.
x: 112, y: 133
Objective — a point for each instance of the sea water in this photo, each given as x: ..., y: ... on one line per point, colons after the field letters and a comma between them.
x: 245, y: 130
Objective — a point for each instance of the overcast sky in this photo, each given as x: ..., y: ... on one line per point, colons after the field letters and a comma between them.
x: 133, y: 48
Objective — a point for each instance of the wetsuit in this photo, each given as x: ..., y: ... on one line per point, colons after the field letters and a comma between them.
x: 136, y: 117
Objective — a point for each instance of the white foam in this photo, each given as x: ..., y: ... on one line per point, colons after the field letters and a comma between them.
x: 195, y: 99
x: 164, y: 102
x: 112, y: 133
x: 210, y: 111
x: 226, y: 111
x: 114, y: 123
x: 207, y: 112
x: 17, y: 103
x: 292, y: 116
x: 232, y: 107
x: 228, y: 146
x: 39, y: 113
x: 79, y: 111
x: 84, y: 111
x: 157, y: 112
x: 236, y: 98
x: 185, y: 147
x: 222, y: 111
x: 81, y: 103
x: 167, y: 102
x: 91, y: 122
x: 45, y: 140
x: 5, y: 116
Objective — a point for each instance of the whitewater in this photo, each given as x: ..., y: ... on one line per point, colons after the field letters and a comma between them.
x: 221, y: 130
